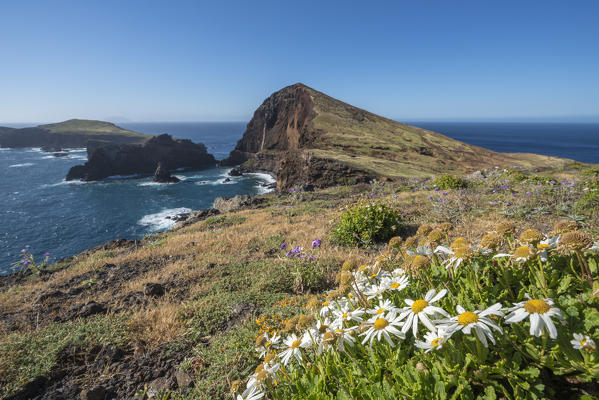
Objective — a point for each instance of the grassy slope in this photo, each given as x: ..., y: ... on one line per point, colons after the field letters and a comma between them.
x: 232, y: 262
x: 89, y: 127
x: 388, y: 148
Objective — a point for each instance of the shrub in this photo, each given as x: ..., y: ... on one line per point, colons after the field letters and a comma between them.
x: 450, y: 182
x: 366, y: 224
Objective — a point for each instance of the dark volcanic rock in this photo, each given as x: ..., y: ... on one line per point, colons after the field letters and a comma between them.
x: 153, y: 289
x: 163, y: 175
x: 106, y: 160
x: 60, y: 155
x: 194, y: 216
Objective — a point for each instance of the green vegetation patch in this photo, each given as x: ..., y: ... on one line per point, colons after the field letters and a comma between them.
x: 367, y: 223
x: 24, y: 356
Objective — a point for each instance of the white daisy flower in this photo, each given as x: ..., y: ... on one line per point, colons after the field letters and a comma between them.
x: 521, y: 254
x: 594, y: 247
x: 457, y: 257
x: 337, y: 339
x: 345, y: 314
x: 384, y: 306
x: 583, y: 342
x: 398, y: 272
x: 265, y: 343
x: 477, y: 320
x: 545, y: 245
x: 540, y: 312
x: 396, y: 283
x: 251, y: 393
x: 422, y: 251
x: 420, y: 310
x: 383, y: 326
x: 293, y: 346
x: 375, y: 290
x: 433, y: 340
x: 326, y: 308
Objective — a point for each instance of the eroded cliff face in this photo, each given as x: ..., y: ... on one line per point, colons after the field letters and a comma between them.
x: 106, y: 160
x: 281, y: 123
x: 278, y: 139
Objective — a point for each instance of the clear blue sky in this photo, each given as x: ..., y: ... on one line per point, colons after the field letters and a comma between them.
x: 217, y: 60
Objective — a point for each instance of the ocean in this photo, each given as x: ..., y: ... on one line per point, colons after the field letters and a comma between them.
x: 41, y: 212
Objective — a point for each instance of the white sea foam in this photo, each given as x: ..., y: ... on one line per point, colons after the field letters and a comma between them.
x: 34, y: 150
x: 160, y: 221
x: 267, y: 180
x: 28, y: 164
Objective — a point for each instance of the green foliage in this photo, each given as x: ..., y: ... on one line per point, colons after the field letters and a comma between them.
x: 589, y: 203
x: 366, y: 224
x: 24, y: 356
x: 450, y: 182
x: 515, y: 365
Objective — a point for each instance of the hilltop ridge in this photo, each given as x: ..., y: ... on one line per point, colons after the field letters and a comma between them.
x: 307, y: 137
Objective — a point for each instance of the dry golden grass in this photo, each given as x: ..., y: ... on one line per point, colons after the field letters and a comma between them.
x: 156, y: 325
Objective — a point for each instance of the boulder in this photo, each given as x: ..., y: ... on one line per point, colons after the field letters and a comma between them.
x: 224, y: 204
x: 163, y: 175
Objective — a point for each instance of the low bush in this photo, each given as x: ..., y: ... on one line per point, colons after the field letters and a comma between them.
x: 367, y: 223
x: 450, y: 182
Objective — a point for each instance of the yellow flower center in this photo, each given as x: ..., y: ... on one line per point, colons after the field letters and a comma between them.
x: 536, y: 306
x: 467, y: 318
x: 380, y: 311
x: 373, y: 276
x: 522, y: 252
x: 419, y: 305
x: 325, y: 304
x: 362, y: 267
x: 380, y: 323
x: 394, y: 285
x: 296, y: 344
x: 582, y: 342
x: 268, y: 343
x: 436, y: 342
x: 344, y: 316
x: 543, y: 245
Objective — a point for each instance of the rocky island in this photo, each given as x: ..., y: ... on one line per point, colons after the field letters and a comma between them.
x: 306, y: 137
x: 106, y: 160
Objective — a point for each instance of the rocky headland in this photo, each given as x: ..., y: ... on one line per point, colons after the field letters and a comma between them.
x: 106, y: 160
x: 68, y: 134
x: 305, y: 137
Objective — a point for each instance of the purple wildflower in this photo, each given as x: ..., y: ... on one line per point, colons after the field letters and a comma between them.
x: 437, y: 189
x: 371, y: 195
x: 505, y: 186
x: 441, y: 200
x: 430, y: 197
x: 27, y: 263
x: 528, y: 193
x: 444, y: 193
x: 312, y: 257
x: 46, y: 254
x: 316, y: 243
x: 24, y: 251
x: 494, y: 191
x: 283, y: 246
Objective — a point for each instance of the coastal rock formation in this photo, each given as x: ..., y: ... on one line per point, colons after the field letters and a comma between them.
x: 68, y: 134
x: 163, y: 175
x: 305, y: 137
x: 106, y: 160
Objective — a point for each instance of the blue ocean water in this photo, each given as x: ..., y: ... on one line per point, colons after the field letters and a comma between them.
x: 577, y: 141
x: 41, y: 212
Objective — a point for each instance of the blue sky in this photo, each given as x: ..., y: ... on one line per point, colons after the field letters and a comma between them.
x: 217, y: 60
